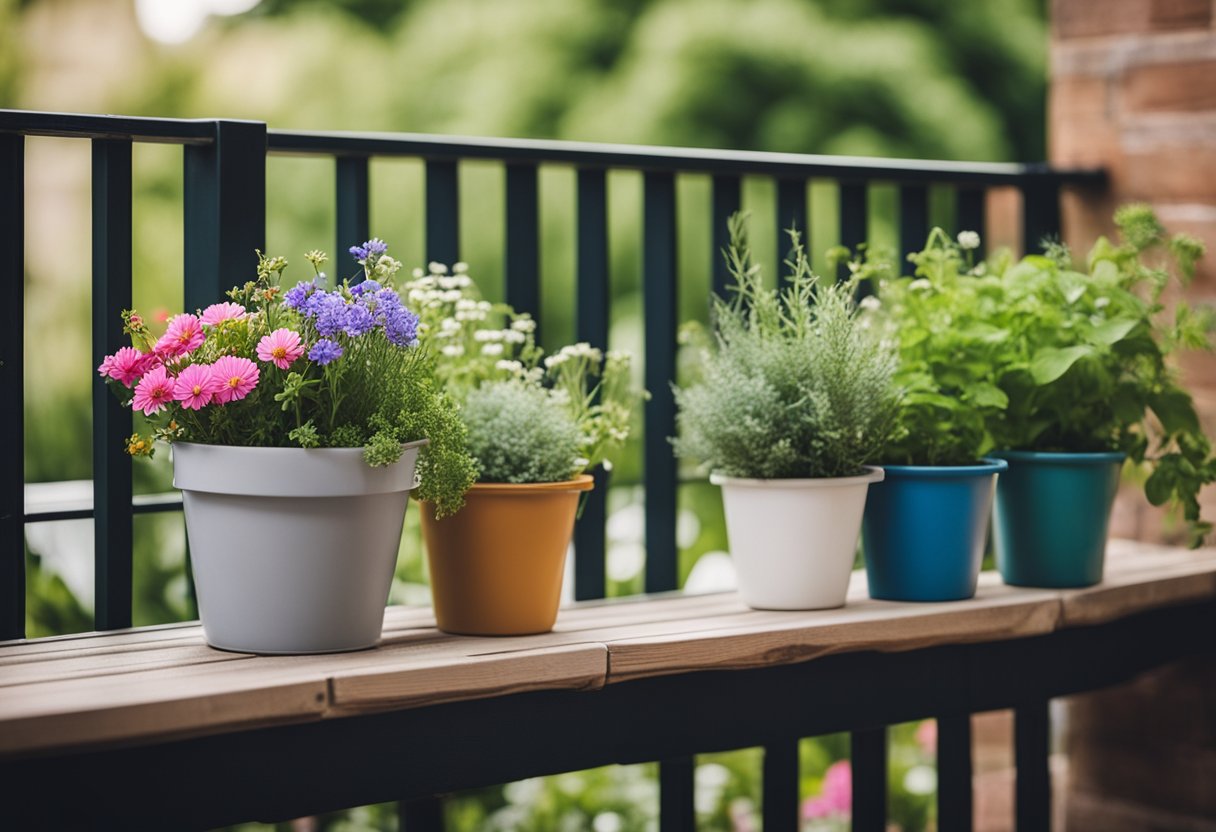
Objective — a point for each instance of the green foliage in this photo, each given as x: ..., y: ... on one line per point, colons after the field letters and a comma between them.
x: 948, y: 351
x: 520, y: 432
x: 482, y: 344
x: 796, y: 387
x: 1085, y: 360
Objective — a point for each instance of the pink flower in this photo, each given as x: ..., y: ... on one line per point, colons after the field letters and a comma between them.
x: 127, y: 365
x: 184, y: 335
x: 282, y: 347
x: 195, y: 387
x: 836, y: 797
x: 926, y: 737
x: 217, y: 313
x: 154, y: 391
x: 234, y: 378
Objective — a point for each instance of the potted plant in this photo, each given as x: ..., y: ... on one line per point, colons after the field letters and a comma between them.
x: 926, y: 524
x: 1086, y: 366
x: 534, y: 428
x: 795, y: 394
x: 300, y: 422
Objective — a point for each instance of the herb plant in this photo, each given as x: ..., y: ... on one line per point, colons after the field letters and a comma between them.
x: 521, y: 406
x: 311, y: 368
x: 949, y: 350
x: 793, y: 385
x: 1085, y: 358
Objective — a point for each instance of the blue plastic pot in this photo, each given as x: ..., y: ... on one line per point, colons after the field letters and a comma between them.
x: 925, y: 528
x: 1053, y: 517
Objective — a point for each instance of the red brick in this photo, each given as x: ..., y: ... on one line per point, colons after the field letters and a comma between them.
x: 1089, y: 18
x: 1183, y: 172
x: 1180, y: 14
x: 1170, y: 88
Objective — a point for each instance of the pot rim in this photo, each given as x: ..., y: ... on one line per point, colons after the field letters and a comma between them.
x: 1063, y: 457
x: 873, y: 474
x: 314, y: 452
x: 583, y: 482
x: 986, y: 465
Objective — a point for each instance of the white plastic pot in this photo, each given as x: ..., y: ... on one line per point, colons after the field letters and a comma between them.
x: 293, y: 550
x: 794, y: 541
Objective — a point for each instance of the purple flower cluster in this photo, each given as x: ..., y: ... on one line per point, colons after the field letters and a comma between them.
x: 373, y: 246
x: 325, y: 351
x: 372, y: 306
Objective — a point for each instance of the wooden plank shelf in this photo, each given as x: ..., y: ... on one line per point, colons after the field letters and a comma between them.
x: 156, y: 684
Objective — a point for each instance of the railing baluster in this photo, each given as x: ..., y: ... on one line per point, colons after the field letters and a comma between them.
x: 727, y: 199
x: 422, y: 815
x: 677, y: 787
x: 352, y: 206
x: 442, y: 211
x: 781, y: 778
x: 225, y: 205
x: 113, y: 524
x: 970, y: 210
x: 913, y: 223
x: 1032, y: 750
x: 1040, y: 211
x: 854, y: 222
x: 954, y: 783
x: 12, y: 373
x: 869, y: 769
x: 660, y: 311
x: 791, y: 212
x: 592, y: 326
x: 523, y: 240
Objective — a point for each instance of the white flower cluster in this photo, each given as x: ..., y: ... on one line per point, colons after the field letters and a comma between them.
x: 574, y: 351
x: 870, y: 302
x: 968, y: 240
x: 921, y: 284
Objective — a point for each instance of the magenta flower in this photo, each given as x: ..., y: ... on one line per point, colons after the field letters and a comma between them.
x: 154, y: 391
x: 234, y: 378
x: 217, y: 313
x: 836, y: 797
x: 195, y: 387
x: 282, y: 347
x: 127, y: 365
x: 184, y: 335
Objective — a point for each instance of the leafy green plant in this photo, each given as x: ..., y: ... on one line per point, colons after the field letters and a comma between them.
x: 949, y: 350
x: 795, y: 385
x: 521, y: 406
x: 1085, y: 358
x: 519, y: 433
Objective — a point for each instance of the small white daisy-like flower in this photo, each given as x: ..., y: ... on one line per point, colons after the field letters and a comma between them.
x: 437, y: 268
x: 509, y: 365
x: 460, y: 267
x: 453, y: 350
x: 523, y: 325
x: 487, y: 335
x: 418, y: 273
x: 511, y: 336
x: 921, y: 284
x: 552, y: 361
x: 450, y: 325
x: 968, y: 240
x: 492, y: 348
x: 870, y: 302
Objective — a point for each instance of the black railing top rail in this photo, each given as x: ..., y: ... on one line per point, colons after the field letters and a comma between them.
x: 682, y: 159
x: 99, y: 126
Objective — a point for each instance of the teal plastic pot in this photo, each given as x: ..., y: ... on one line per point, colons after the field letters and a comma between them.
x: 1053, y: 517
x: 925, y: 528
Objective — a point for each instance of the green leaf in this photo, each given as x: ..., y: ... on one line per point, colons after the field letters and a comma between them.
x: 1159, y: 485
x: 1113, y: 331
x: 989, y: 395
x: 1052, y: 363
x: 1175, y: 410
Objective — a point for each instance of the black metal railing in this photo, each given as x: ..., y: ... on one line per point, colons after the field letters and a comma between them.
x: 225, y: 217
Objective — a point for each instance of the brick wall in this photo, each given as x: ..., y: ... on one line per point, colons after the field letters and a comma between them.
x: 1133, y: 88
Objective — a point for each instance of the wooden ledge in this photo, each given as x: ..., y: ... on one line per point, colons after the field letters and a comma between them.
x: 159, y: 683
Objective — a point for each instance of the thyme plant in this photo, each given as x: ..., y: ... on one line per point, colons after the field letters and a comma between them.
x: 793, y: 384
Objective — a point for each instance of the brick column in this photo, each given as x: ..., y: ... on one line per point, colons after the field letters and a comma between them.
x: 1133, y: 88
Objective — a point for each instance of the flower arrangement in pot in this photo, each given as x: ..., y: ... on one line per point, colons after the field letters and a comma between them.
x: 926, y: 524
x: 300, y: 422
x: 536, y: 424
x: 1086, y: 365
x: 794, y: 396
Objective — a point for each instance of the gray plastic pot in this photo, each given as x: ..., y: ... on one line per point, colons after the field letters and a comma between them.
x: 293, y: 550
